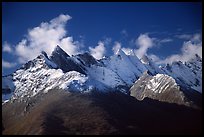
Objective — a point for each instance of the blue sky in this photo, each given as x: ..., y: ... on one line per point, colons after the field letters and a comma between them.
x: 160, y: 30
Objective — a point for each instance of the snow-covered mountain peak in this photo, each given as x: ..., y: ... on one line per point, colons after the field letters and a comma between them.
x: 41, y: 61
x: 130, y: 52
x: 150, y: 65
x: 163, y: 88
x: 121, y: 52
x: 160, y: 82
x: 187, y: 74
x: 119, y: 71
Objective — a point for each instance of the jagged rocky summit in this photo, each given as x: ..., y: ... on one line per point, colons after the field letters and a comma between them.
x: 179, y: 82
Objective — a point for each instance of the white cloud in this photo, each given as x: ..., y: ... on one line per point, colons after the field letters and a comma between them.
x: 70, y: 46
x: 24, y: 52
x: 160, y: 42
x: 7, y: 47
x: 107, y: 41
x: 188, y: 50
x: 116, y: 47
x: 144, y: 42
x: 154, y: 58
x: 184, y: 36
x: 166, y: 40
x: 192, y: 37
x: 196, y: 37
x: 99, y: 51
x: 6, y: 64
x: 45, y: 38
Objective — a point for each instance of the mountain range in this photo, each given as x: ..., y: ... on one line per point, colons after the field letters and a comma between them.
x: 48, y: 79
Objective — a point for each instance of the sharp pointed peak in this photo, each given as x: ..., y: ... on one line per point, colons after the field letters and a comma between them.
x: 58, y: 47
x: 121, y: 53
x: 59, y: 50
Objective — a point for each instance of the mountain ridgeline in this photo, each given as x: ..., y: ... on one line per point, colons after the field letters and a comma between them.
x: 83, y: 73
x: 40, y: 84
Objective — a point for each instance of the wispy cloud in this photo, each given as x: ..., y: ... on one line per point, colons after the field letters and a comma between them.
x: 144, y: 42
x: 192, y: 37
x: 106, y: 40
x: 160, y: 42
x: 188, y: 50
x: 154, y: 58
x: 46, y: 37
x: 7, y: 47
x: 166, y: 40
x: 6, y: 64
x: 196, y: 37
x: 99, y: 51
x: 124, y: 33
x: 116, y: 47
x: 184, y: 36
x: 179, y: 29
x: 192, y: 46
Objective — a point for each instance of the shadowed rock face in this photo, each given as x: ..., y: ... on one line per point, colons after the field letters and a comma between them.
x: 59, y: 112
x: 64, y: 61
x: 164, y: 88
x: 86, y: 59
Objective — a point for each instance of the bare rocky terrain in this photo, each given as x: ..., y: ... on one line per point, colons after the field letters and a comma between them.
x: 63, y: 113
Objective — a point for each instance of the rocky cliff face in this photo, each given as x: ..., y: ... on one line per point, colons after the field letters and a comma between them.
x: 163, y: 88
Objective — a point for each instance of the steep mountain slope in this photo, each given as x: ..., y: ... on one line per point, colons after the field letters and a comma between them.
x: 150, y: 65
x: 40, y: 75
x: 59, y: 113
x: 7, y: 87
x: 64, y: 61
x: 164, y: 88
x: 77, y: 73
x: 83, y: 73
x: 188, y: 74
x: 121, y: 95
x: 123, y: 67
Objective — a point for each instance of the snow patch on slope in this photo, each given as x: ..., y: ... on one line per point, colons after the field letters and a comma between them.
x: 160, y: 83
x: 105, y: 76
x: 123, y: 67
